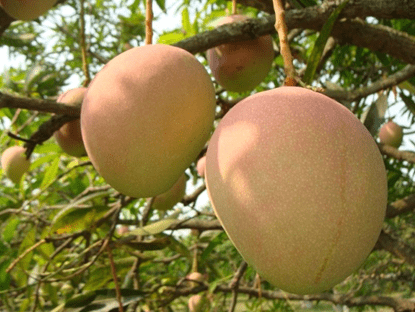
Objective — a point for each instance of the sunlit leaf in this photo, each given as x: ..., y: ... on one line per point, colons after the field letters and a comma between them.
x: 320, y: 43
x: 161, y: 4
x: 76, y: 219
x: 51, y: 173
x: 154, y: 228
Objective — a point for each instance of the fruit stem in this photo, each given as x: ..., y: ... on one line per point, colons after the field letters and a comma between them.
x: 83, y: 44
x: 149, y: 21
x: 234, y: 7
x: 114, y: 276
x: 281, y: 28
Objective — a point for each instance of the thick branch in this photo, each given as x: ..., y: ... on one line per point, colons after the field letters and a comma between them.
x: 396, y: 247
x: 396, y: 303
x: 401, y: 206
x: 377, y: 8
x: 355, y: 32
x: 38, y: 105
x: 397, y: 154
x: 383, y: 83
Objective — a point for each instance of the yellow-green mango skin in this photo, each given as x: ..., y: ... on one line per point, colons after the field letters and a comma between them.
x: 26, y: 10
x: 241, y: 66
x: 14, y: 163
x: 146, y: 116
x: 391, y: 134
x: 167, y: 200
x: 299, y: 185
x: 69, y: 136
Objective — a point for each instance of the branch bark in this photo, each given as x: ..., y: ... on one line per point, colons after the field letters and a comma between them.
x: 401, y: 206
x: 362, y: 8
x: 396, y: 247
x: 48, y: 106
x: 354, y: 32
x: 383, y: 83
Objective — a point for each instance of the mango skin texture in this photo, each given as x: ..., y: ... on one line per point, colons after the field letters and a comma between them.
x: 198, y: 303
x: 146, y: 116
x: 26, y: 10
x: 167, y: 200
x: 241, y: 66
x: 14, y: 163
x: 299, y: 185
x: 69, y: 136
x: 391, y: 134
x: 200, y: 166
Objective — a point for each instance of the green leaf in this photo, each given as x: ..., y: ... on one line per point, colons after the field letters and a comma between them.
x: 162, y: 5
x: 76, y: 219
x: 81, y: 300
x: 213, y: 243
x: 320, y: 43
x: 51, y: 173
x: 154, y: 228
x: 180, y: 248
x: 103, y: 300
x: 28, y: 241
x: 43, y: 160
x: 407, y: 86
x: 172, y: 37
x: 187, y: 26
x: 4, y: 277
x: 9, y: 229
x: 373, y: 117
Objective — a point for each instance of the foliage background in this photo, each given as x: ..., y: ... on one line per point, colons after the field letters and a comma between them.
x: 61, y: 217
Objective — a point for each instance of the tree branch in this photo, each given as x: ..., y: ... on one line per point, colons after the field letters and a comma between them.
x: 383, y: 83
x: 397, y: 154
x: 48, y: 106
x: 397, y: 304
x: 401, y: 206
x: 362, y: 8
x: 396, y: 247
x: 355, y: 32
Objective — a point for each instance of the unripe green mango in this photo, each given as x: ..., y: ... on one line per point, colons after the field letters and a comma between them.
x: 14, y: 163
x: 299, y: 185
x: 69, y: 136
x: 241, y: 66
x: 146, y: 116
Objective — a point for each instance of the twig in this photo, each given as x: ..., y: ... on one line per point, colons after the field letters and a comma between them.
x: 281, y: 28
x: 15, y: 262
x: 114, y: 276
x: 149, y: 21
x: 83, y: 45
x: 187, y: 199
x: 234, y: 284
